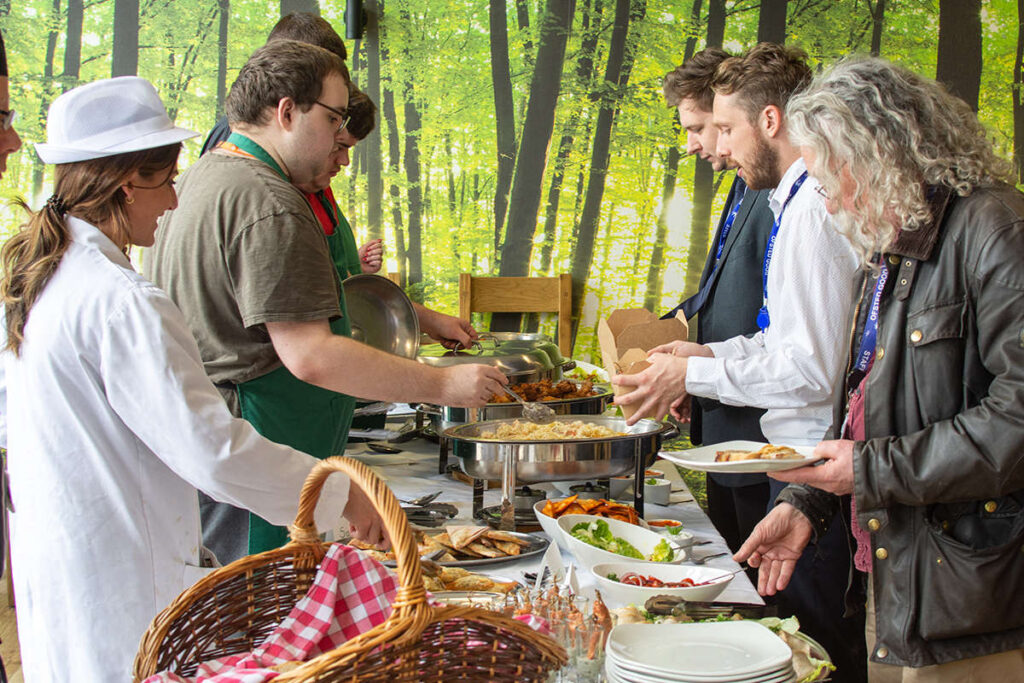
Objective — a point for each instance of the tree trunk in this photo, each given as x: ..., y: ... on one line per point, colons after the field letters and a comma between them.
x: 372, y: 143
x: 125, y: 56
x: 958, y: 63
x: 289, y: 6
x: 224, y: 11
x: 413, y: 125
x: 877, y: 25
x: 540, y: 120
x: 691, y: 32
x: 394, y: 164
x: 174, y: 92
x: 591, y: 25
x: 504, y: 113
x: 656, y: 273
x: 617, y: 72
x: 46, y: 95
x: 1018, y: 97
x: 703, y: 179
x: 73, y: 45
x: 771, y: 22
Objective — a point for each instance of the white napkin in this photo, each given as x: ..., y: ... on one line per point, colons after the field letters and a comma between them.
x: 553, y: 562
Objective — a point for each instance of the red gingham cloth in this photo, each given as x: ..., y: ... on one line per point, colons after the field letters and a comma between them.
x: 351, y: 594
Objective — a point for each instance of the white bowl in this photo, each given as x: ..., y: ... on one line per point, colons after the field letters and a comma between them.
x: 617, y: 487
x: 624, y: 594
x: 682, y: 538
x: 550, y: 526
x: 642, y: 539
x: 658, y: 493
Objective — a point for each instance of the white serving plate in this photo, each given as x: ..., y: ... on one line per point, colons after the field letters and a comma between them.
x: 703, y: 458
x: 642, y: 539
x: 714, y: 652
x: 617, y: 673
x: 624, y: 594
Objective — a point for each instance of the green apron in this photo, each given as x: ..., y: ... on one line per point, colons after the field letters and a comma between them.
x: 287, y: 410
x: 349, y: 263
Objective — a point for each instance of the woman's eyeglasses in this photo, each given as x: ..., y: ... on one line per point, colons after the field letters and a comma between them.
x: 345, y: 118
x: 7, y: 117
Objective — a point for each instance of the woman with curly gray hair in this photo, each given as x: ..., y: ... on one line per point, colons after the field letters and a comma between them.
x: 930, y: 428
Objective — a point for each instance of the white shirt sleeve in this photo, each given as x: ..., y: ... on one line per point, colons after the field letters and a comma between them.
x: 3, y: 377
x: 811, y: 285
x: 155, y: 382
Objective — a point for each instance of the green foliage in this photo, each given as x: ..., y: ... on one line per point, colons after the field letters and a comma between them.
x: 438, y: 55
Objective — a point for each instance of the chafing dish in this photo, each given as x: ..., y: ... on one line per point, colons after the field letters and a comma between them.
x: 513, y: 460
x: 443, y: 417
x: 562, y: 460
x: 521, y: 360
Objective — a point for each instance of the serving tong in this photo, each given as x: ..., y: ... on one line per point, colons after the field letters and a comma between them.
x: 534, y: 412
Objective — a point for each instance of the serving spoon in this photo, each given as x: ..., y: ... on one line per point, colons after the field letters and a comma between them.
x: 534, y: 412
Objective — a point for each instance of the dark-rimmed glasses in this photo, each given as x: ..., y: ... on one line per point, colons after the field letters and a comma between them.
x: 343, y: 115
x: 7, y: 117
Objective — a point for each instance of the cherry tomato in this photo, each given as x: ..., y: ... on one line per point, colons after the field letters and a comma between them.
x: 631, y: 579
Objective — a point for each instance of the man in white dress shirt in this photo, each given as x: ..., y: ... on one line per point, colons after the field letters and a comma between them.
x: 794, y: 364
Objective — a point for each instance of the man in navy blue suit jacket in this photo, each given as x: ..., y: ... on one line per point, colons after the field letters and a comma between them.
x: 727, y: 302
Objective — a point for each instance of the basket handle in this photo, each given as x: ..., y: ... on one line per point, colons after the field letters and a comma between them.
x: 411, y: 593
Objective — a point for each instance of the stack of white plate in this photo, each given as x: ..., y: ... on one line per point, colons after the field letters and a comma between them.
x: 716, y: 652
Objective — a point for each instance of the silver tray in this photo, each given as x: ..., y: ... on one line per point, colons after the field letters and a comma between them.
x: 537, y: 546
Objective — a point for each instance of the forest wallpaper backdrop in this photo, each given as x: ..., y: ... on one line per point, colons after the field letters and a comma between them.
x: 516, y: 136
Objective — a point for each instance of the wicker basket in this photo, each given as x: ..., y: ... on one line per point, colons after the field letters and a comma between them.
x: 236, y: 607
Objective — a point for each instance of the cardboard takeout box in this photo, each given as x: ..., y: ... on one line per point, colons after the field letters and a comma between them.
x: 626, y: 336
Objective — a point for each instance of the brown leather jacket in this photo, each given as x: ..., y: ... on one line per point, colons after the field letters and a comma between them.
x: 939, y: 481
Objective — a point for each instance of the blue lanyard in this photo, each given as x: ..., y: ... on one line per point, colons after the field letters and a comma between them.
x: 763, y: 320
x: 869, y: 339
x: 729, y: 220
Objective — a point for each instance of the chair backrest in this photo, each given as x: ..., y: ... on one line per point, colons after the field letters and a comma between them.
x: 520, y: 295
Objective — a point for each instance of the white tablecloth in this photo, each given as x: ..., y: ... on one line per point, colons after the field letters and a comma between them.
x: 413, y: 472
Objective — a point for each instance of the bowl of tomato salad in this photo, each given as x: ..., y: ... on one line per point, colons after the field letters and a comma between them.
x: 626, y: 583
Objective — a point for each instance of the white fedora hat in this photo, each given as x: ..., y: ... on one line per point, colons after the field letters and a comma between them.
x: 105, y: 118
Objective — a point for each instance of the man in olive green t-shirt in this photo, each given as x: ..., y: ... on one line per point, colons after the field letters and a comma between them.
x: 245, y: 259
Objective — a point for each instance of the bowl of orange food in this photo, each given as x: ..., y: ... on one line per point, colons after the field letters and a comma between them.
x: 548, y: 512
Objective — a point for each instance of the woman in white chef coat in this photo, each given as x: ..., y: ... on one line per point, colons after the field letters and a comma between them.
x: 112, y: 422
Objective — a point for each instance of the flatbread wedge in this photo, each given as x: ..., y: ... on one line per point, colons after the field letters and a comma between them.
x: 766, y: 452
x: 462, y: 536
x: 505, y: 536
x: 483, y: 550
x: 735, y: 456
x: 508, y: 548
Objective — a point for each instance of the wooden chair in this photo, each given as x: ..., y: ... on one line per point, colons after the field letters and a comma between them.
x: 520, y: 295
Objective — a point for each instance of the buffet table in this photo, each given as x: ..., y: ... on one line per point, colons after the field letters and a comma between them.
x: 413, y: 472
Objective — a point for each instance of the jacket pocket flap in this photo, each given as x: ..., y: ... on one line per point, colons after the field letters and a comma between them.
x: 945, y: 321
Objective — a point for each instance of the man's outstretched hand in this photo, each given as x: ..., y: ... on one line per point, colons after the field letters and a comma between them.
x: 775, y: 545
